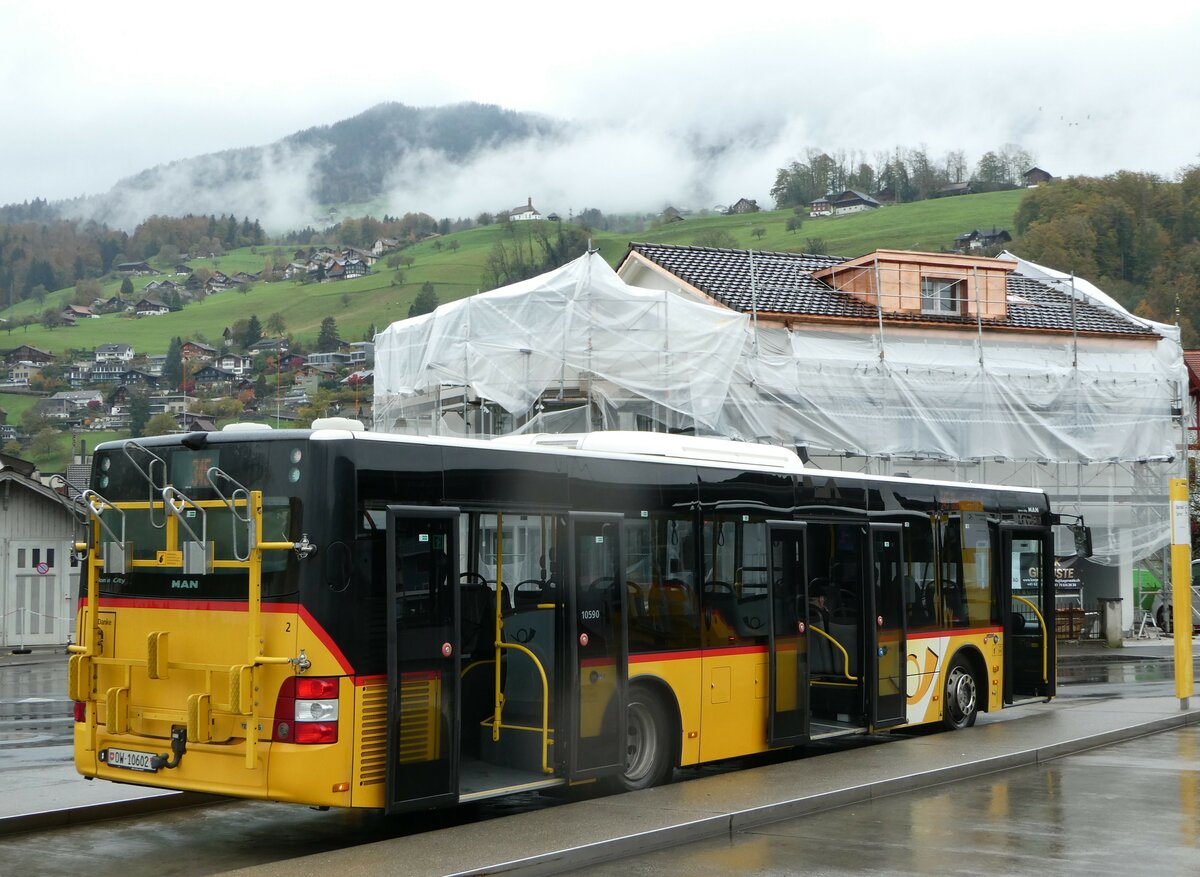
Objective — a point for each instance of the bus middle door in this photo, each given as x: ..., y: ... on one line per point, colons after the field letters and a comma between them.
x: 788, y: 673
x: 423, y: 657
x: 887, y: 651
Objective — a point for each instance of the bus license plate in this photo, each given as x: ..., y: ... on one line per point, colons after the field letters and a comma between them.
x: 129, y: 760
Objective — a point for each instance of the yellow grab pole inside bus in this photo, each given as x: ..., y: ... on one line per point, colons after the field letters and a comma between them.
x: 1181, y: 590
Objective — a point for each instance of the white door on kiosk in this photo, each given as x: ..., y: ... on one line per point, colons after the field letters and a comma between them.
x: 38, y: 605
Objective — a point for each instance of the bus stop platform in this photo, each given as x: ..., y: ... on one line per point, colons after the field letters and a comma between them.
x: 602, y: 829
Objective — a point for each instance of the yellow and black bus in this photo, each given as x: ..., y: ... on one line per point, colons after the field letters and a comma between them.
x: 342, y: 618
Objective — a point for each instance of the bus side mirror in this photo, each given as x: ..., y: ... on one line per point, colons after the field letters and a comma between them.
x: 1083, y: 540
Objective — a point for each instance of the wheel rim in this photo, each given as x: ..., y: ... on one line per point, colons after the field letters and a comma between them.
x: 960, y: 694
x: 640, y: 742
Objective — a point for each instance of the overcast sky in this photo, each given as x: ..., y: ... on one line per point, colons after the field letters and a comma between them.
x: 105, y: 90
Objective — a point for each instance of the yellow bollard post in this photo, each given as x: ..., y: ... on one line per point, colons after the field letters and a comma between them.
x: 1181, y: 590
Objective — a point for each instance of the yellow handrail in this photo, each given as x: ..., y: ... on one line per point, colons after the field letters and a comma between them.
x: 1042, y: 625
x: 496, y: 719
x: 840, y: 648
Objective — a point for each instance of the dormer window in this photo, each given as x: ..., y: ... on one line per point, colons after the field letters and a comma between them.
x: 941, y: 295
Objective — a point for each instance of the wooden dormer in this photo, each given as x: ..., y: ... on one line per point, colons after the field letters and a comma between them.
x: 936, y: 285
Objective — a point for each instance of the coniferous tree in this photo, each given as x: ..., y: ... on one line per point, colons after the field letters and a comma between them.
x: 328, y: 339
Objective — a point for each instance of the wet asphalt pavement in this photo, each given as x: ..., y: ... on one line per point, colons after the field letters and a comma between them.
x: 1058, y: 818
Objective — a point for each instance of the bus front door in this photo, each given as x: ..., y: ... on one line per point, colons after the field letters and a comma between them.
x: 1027, y: 598
x: 887, y: 651
x: 423, y: 657
x: 597, y: 653
x: 788, y: 672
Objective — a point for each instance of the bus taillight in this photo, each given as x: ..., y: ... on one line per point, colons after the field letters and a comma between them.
x: 80, y: 711
x: 306, y: 711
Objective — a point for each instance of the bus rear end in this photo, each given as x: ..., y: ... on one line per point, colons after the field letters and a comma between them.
x: 197, y: 667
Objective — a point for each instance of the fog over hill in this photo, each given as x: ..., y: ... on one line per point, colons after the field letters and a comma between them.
x: 454, y: 161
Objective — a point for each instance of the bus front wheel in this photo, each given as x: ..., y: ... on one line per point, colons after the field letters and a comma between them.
x: 961, y: 705
x: 648, y: 751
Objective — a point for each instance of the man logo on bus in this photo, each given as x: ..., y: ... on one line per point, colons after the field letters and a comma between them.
x: 184, y: 584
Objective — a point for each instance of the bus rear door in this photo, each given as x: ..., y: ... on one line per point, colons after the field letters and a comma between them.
x: 1026, y: 594
x: 788, y: 676
x: 423, y: 657
x: 597, y: 652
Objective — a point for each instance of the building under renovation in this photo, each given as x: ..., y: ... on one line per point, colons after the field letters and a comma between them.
x: 899, y: 363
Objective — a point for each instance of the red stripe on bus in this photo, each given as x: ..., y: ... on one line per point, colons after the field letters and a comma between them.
x: 326, y: 640
x: 664, y: 656
x: 964, y: 631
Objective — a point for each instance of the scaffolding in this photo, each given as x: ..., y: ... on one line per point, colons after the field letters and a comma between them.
x: 1096, y: 421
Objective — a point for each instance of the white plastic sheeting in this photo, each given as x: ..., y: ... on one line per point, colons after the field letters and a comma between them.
x: 1090, y: 419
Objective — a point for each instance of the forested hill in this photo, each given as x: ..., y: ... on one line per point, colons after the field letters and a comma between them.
x: 357, y: 154
x: 287, y: 183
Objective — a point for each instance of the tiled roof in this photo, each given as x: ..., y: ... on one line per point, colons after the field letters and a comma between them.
x: 783, y: 284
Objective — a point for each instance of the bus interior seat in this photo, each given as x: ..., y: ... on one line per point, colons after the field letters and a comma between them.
x: 478, y: 611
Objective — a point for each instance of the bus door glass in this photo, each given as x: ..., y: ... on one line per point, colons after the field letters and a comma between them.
x: 787, y: 706
x: 1027, y: 596
x: 887, y: 652
x: 423, y: 657
x: 597, y: 651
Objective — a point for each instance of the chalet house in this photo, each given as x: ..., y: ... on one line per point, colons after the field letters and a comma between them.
x: 953, y: 189
x: 269, y: 345
x: 137, y: 378
x: 77, y: 312
x: 210, y: 375
x: 525, y: 212
x: 670, y: 215
x: 182, y: 270
x: 317, y: 370
x: 886, y: 195
x: 821, y: 207
x: 242, y: 278
x: 236, y: 363
x: 192, y: 351
x: 981, y: 240
x: 1035, y: 176
x: 135, y: 268
x: 114, y: 304
x: 151, y: 307
x: 69, y: 403
x: 335, y: 269
x: 744, y: 205
x: 219, y: 282
x: 25, y: 353
x: 294, y: 270
x: 851, y: 201
x: 383, y: 245
x: 113, y: 353
x: 367, y: 257
x: 195, y: 422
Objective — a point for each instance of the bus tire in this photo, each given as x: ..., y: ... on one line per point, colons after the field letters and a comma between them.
x: 649, y: 755
x: 960, y: 705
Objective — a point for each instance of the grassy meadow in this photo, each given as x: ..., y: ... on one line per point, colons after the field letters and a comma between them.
x: 377, y: 300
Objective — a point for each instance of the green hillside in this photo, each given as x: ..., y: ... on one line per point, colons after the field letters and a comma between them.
x: 456, y: 265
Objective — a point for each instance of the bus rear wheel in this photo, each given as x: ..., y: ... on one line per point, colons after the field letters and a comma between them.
x: 648, y: 751
x: 961, y: 705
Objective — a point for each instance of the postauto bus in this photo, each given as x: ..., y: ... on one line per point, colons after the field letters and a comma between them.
x: 340, y: 618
